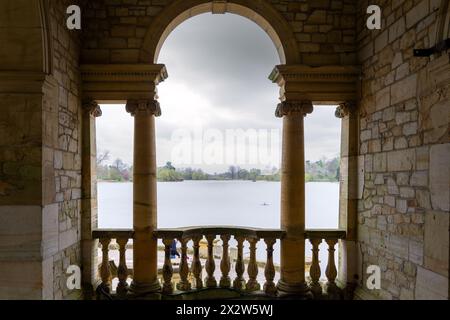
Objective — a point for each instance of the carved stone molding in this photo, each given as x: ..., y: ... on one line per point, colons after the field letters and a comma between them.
x: 124, y: 72
x: 344, y: 109
x: 91, y: 107
x: 322, y: 85
x: 287, y: 107
x: 219, y: 7
x: 149, y: 106
x: 24, y: 82
x: 122, y: 82
x: 327, y: 73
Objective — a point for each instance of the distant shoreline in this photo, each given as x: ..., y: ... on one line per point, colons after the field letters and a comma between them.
x: 223, y: 180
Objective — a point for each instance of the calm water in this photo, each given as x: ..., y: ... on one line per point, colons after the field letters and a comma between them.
x: 233, y: 203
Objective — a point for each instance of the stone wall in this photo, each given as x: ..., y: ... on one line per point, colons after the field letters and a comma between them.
x: 403, y: 219
x: 40, y: 154
x: 64, y: 147
x: 116, y: 29
x: 404, y: 141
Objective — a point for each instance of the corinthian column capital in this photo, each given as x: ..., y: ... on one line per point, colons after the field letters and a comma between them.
x: 91, y: 107
x: 146, y: 106
x: 344, y: 109
x: 303, y: 107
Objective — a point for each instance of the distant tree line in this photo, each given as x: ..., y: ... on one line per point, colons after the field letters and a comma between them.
x: 118, y: 171
x: 324, y: 170
x: 170, y: 173
x: 320, y: 171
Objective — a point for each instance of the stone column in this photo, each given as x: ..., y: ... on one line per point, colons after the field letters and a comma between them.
x: 350, y: 192
x: 292, y: 280
x: 89, y: 246
x: 144, y: 196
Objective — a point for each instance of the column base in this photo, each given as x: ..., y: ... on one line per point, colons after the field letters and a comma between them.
x: 88, y: 291
x: 138, y: 288
x: 333, y: 291
x: 294, y: 290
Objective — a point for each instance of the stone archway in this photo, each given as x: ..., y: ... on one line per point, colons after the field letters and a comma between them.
x: 260, y: 12
x: 28, y: 96
x: 443, y: 26
x: 25, y: 33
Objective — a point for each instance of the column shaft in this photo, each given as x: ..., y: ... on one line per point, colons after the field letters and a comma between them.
x: 292, y: 279
x: 89, y: 246
x: 144, y: 196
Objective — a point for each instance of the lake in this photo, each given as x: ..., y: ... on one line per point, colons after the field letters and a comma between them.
x: 232, y: 203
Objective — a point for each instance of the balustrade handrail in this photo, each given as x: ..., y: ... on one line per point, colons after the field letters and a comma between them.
x: 113, y: 234
x: 189, y: 232
x: 325, y: 234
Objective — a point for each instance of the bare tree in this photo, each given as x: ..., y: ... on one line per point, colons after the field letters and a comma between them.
x: 102, y: 157
x: 120, y: 165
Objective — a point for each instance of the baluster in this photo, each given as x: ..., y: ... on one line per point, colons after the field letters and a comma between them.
x: 331, y: 271
x: 239, y: 282
x: 167, y: 268
x: 122, y: 270
x: 210, y: 281
x: 184, y: 284
x: 225, y: 281
x: 315, y: 271
x: 269, y: 271
x: 252, y: 283
x: 196, y: 263
x: 105, y: 271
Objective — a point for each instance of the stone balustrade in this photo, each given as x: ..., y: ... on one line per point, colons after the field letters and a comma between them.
x: 122, y: 237
x: 331, y: 238
x: 191, y: 270
x: 240, y: 235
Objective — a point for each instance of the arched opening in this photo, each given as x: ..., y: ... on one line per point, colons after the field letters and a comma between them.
x: 218, y: 115
x: 25, y: 32
x: 261, y: 13
x: 298, y: 91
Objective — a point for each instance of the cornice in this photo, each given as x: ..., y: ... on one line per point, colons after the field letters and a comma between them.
x: 28, y: 82
x: 154, y: 73
x: 322, y: 85
x: 284, y: 73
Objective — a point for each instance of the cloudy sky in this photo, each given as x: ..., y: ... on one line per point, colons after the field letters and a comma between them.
x: 218, y: 88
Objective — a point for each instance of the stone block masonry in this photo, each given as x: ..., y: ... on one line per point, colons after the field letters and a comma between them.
x: 403, y: 218
x: 47, y: 176
x: 40, y: 158
x: 116, y: 29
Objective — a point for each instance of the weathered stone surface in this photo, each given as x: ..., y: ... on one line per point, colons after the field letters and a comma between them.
x: 437, y: 241
x: 419, y: 179
x: 440, y: 177
x: 404, y: 89
x: 406, y: 103
x: 417, y: 13
x: 430, y: 285
x: 416, y: 252
x: 401, y: 160
x: 20, y: 232
x: 379, y: 162
x: 398, y: 246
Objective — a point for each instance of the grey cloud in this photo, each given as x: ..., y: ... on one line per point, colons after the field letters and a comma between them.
x: 226, y: 59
